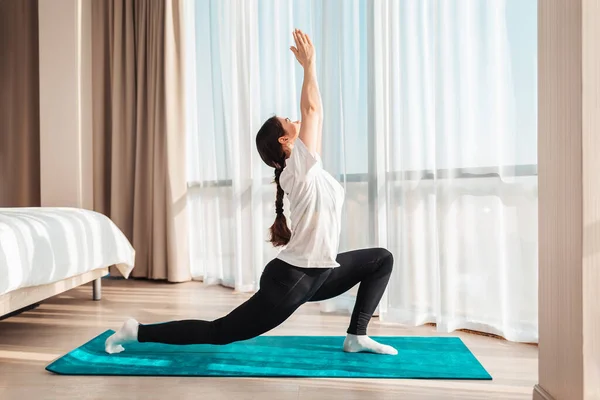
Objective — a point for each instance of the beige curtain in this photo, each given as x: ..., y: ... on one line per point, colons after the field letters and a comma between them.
x: 139, y: 136
x: 19, y: 104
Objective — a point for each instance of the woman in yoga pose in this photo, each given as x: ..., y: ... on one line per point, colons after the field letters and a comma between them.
x: 308, y: 268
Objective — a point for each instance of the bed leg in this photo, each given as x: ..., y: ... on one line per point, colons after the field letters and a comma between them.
x: 97, y: 291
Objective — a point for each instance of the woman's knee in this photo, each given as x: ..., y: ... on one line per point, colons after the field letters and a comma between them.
x: 386, y: 259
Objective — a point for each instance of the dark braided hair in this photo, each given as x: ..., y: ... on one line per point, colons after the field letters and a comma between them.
x: 271, y: 152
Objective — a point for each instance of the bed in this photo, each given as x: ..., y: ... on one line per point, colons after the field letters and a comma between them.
x: 47, y: 251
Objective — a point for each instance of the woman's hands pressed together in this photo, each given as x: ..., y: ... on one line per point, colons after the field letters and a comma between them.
x: 304, y: 49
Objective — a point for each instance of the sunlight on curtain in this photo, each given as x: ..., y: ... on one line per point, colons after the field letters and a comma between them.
x: 457, y: 189
x: 430, y: 124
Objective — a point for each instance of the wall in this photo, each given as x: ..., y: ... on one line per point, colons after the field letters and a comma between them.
x: 591, y: 197
x: 569, y: 200
x: 65, y: 103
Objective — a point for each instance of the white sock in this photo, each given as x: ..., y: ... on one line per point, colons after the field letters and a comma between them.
x: 363, y: 343
x: 127, y: 334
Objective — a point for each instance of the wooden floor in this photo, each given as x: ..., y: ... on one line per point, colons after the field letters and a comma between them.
x: 29, y: 341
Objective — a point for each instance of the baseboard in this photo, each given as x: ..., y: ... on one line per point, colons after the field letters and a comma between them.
x: 540, y: 394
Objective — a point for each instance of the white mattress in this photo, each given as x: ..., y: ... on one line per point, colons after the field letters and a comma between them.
x: 45, y: 245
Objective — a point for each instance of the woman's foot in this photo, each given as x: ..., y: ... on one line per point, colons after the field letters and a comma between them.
x: 363, y: 343
x: 127, y: 334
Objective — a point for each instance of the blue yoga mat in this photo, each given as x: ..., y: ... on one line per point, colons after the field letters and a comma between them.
x: 278, y: 356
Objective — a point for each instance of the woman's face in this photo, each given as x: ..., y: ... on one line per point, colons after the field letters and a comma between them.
x: 292, y: 129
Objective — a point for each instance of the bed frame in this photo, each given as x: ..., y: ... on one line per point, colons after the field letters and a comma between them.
x: 21, y: 298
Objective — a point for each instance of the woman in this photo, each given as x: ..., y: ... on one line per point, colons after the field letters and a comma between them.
x: 308, y: 268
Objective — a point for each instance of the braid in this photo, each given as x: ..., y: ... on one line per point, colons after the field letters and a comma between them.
x: 279, y: 197
x: 280, y: 233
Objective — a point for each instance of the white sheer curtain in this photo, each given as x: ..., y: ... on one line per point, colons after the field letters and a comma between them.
x: 430, y: 123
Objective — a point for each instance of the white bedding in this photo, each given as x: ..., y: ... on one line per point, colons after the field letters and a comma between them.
x: 45, y: 245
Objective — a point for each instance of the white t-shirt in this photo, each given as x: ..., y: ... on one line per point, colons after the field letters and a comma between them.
x: 316, y: 201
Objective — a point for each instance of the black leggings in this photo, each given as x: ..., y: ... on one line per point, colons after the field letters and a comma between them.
x: 284, y: 288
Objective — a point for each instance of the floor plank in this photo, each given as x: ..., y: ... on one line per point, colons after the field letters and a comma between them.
x: 29, y: 341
